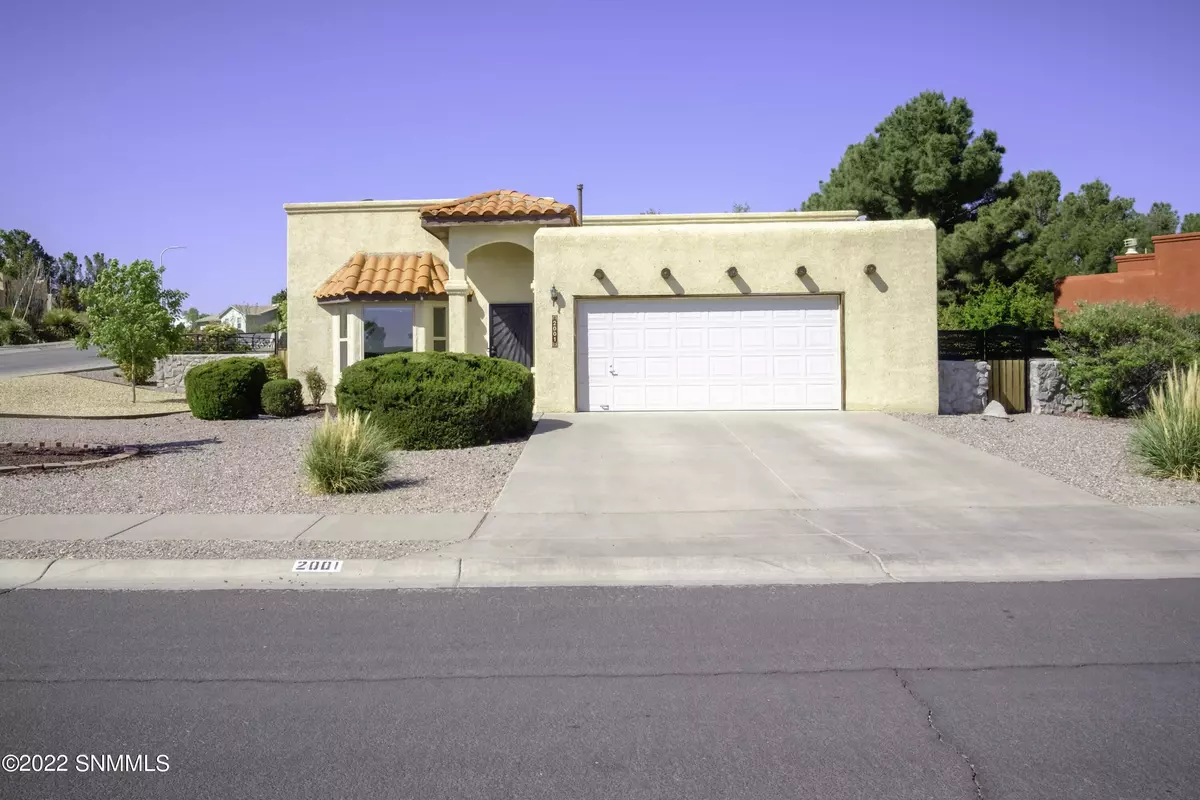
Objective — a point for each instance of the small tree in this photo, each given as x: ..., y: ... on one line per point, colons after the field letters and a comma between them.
x: 131, y: 317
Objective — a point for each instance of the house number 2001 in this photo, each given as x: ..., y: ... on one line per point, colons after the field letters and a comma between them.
x: 554, y: 331
x: 308, y: 565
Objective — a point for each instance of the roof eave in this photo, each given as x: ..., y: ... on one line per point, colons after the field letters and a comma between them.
x: 556, y: 220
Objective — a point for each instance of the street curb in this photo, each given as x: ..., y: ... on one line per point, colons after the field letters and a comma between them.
x: 191, y: 574
x: 434, y: 571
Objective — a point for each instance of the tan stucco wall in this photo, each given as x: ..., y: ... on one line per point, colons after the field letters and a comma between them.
x: 889, y: 323
x: 320, y: 238
x: 500, y: 273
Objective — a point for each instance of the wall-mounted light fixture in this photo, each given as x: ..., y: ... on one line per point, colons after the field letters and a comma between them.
x: 599, y: 274
x: 869, y: 269
x: 801, y: 271
x: 666, y: 273
x: 554, y: 295
x: 731, y: 272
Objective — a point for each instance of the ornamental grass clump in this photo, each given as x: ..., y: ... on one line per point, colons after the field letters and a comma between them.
x: 347, y: 454
x: 1166, y: 438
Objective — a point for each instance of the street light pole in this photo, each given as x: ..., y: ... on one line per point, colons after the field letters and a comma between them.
x: 165, y: 249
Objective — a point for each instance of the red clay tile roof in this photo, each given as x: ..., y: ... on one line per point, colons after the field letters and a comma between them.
x: 385, y: 275
x: 501, y: 203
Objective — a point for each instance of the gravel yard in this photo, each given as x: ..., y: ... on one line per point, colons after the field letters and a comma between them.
x: 1085, y: 452
x: 68, y: 395
x: 213, y: 548
x: 243, y: 466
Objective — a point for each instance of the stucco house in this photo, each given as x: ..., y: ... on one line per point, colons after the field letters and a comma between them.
x: 249, y: 318
x: 788, y: 310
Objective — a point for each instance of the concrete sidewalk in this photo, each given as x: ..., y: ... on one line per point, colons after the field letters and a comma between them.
x: 807, y: 546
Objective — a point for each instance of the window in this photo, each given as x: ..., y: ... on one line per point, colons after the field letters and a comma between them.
x: 343, y: 341
x: 387, y: 329
x: 439, y: 329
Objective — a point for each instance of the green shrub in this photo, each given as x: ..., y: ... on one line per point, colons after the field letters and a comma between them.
x: 1166, y: 439
x: 60, y: 324
x: 316, y: 384
x: 16, y: 331
x: 143, y: 373
x: 282, y: 397
x: 347, y: 454
x: 1112, y: 355
x: 431, y: 401
x: 1021, y: 304
x: 276, y: 368
x: 227, y: 389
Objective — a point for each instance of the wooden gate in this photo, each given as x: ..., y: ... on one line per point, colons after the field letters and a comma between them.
x: 1009, y: 383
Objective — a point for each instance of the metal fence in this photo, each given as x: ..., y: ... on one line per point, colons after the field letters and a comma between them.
x: 1001, y: 342
x: 233, y: 342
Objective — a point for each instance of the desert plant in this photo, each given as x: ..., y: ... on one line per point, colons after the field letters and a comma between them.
x: 316, y: 384
x: 282, y: 397
x: 227, y: 389
x: 347, y: 454
x: 431, y: 401
x: 60, y: 324
x: 1166, y: 439
x: 276, y: 368
x: 16, y: 331
x: 1112, y: 355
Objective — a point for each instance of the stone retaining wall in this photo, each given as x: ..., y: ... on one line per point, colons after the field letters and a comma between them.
x: 1048, y: 392
x: 962, y: 386
x: 169, y: 371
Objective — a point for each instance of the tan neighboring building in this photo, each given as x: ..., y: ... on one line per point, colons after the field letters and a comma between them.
x: 791, y: 310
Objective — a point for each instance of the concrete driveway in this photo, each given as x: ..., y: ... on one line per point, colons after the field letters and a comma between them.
x: 734, y: 461
x: 798, y: 496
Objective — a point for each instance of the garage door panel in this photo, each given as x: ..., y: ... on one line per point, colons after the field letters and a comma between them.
x: 709, y: 353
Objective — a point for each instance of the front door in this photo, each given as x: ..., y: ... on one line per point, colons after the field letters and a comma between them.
x: 510, y: 332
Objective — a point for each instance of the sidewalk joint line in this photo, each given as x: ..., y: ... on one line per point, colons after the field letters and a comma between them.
x: 310, y: 527
x: 131, y: 527
x: 478, y: 525
x: 53, y: 561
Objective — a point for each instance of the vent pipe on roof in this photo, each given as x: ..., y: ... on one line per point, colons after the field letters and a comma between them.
x: 579, y: 202
x: 1131, y: 247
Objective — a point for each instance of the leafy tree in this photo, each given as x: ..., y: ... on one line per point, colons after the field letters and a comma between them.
x: 94, y: 265
x: 651, y: 211
x: 741, y: 208
x: 1160, y: 221
x: 21, y: 255
x: 280, y: 296
x: 191, y: 318
x: 1021, y: 304
x: 131, y: 317
x: 924, y: 160
x: 1191, y: 223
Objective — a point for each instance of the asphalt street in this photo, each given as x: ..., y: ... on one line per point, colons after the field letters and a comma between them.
x: 16, y: 362
x: 1047, y: 690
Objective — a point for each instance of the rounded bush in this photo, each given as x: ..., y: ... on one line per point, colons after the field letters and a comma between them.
x: 276, y: 368
x: 227, y: 389
x: 282, y: 397
x: 433, y: 401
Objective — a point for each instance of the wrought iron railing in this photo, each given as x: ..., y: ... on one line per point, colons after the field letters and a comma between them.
x: 221, y: 342
x: 994, y: 343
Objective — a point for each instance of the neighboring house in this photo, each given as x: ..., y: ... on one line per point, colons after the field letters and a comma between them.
x: 1170, y: 275
x: 794, y: 310
x: 206, y: 320
x: 249, y: 319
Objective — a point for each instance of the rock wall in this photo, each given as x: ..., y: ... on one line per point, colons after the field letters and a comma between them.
x: 169, y: 371
x: 1048, y: 392
x: 962, y: 386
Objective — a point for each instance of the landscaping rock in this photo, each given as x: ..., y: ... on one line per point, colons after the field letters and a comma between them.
x: 995, y: 409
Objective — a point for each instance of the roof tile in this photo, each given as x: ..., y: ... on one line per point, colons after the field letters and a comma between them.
x: 386, y: 275
x: 500, y: 203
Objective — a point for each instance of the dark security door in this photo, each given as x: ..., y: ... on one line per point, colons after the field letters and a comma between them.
x: 510, y: 332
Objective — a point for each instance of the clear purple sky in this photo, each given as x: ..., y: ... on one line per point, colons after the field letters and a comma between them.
x: 130, y: 126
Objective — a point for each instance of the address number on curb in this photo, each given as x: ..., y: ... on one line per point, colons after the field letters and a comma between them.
x: 305, y: 565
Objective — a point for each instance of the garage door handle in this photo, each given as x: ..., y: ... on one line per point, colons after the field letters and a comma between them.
x: 612, y: 371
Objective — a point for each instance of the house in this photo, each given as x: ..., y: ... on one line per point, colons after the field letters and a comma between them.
x: 1170, y: 275
x: 796, y: 310
x: 248, y: 318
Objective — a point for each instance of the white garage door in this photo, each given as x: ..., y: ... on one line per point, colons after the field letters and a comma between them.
x: 708, y: 353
